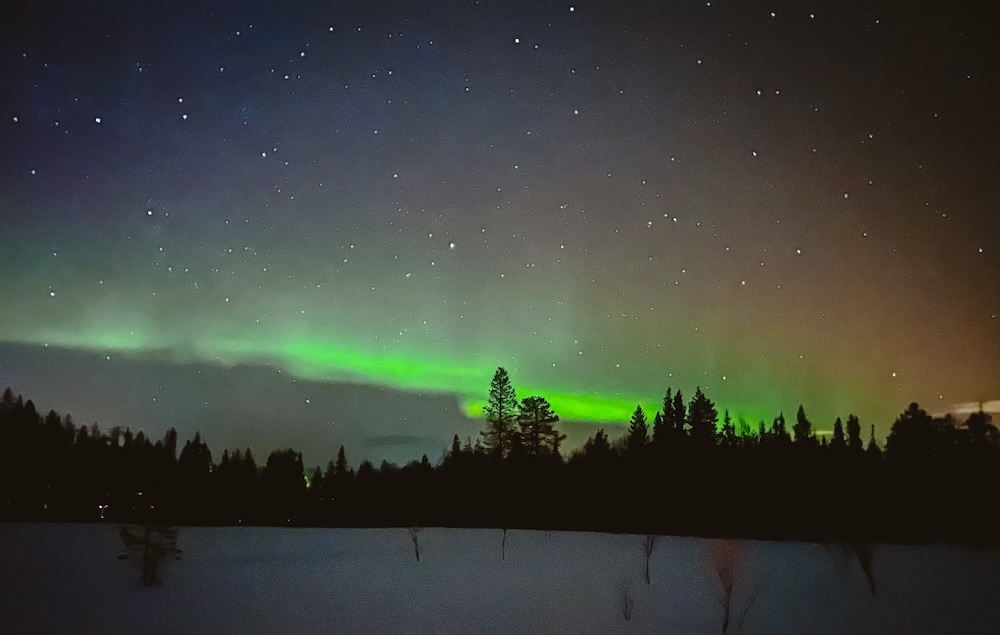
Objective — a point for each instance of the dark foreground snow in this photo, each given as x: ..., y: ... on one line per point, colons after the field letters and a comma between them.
x: 67, y: 579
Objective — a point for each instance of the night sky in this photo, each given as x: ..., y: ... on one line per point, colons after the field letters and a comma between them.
x: 331, y: 223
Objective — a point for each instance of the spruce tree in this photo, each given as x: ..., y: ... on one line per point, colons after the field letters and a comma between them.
x: 340, y: 467
x: 728, y: 430
x: 854, y: 442
x: 501, y: 413
x: 678, y: 414
x: 803, y: 428
x: 638, y: 431
x: 663, y: 424
x: 250, y: 465
x: 873, y: 451
x: 702, y: 418
x: 838, y: 442
x: 170, y: 445
x: 659, y: 430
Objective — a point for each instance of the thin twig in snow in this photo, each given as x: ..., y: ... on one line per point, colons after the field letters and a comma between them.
x: 413, y: 536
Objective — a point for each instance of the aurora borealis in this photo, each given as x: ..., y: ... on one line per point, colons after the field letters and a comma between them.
x: 331, y: 223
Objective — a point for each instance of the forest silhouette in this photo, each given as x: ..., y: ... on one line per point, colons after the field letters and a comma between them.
x: 687, y: 471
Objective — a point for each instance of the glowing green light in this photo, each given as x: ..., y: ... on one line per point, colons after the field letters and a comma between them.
x: 577, y: 407
x: 327, y: 360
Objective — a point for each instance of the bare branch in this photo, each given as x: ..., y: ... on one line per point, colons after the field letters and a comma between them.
x: 413, y: 536
x: 746, y: 609
x: 626, y: 602
x: 648, y: 545
x: 726, y: 599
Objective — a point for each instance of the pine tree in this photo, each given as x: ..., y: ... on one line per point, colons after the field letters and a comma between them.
x: 659, y: 429
x: 340, y: 467
x: 778, y: 431
x: 250, y: 465
x: 638, y: 431
x: 597, y: 447
x: 315, y: 480
x: 535, y: 418
x: 194, y: 472
x: 337, y: 482
x: 501, y: 413
x: 283, y: 483
x: 702, y: 419
x: 663, y: 424
x: 873, y: 451
x: 196, y: 459
x: 838, y: 442
x: 854, y: 434
x: 803, y: 428
x: 728, y: 430
x: 170, y: 445
x: 678, y: 414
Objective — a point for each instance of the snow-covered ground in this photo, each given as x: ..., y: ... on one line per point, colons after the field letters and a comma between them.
x: 67, y: 579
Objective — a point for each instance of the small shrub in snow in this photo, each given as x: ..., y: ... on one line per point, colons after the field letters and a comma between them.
x: 149, y: 545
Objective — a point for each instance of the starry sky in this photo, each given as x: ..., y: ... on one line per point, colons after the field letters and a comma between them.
x: 330, y: 222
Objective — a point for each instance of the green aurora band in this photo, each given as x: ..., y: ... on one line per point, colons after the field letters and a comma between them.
x: 328, y: 361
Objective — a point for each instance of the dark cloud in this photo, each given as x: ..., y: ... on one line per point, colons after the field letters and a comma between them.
x: 240, y: 406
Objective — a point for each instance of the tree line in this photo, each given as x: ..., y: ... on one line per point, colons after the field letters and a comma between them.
x: 687, y: 471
